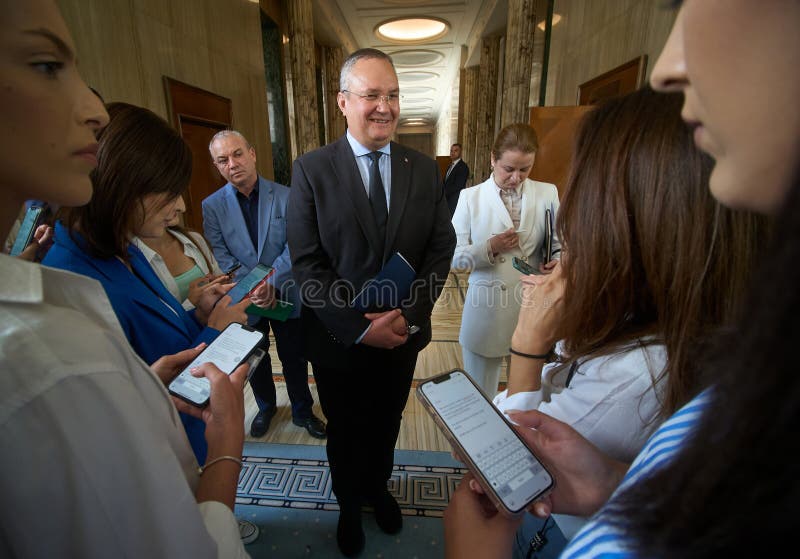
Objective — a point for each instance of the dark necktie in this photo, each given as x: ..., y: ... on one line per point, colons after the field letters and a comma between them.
x: 377, y: 195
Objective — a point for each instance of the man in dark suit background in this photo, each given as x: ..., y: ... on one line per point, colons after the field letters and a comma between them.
x: 353, y: 204
x: 455, y: 178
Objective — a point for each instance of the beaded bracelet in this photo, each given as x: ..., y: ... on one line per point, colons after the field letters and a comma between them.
x: 202, y: 469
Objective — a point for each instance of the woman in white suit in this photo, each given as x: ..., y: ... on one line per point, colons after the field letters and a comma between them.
x: 495, y: 221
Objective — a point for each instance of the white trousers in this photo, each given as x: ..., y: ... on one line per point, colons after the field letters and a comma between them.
x: 485, y: 371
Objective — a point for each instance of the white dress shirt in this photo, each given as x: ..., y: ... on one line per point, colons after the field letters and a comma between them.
x: 94, y: 461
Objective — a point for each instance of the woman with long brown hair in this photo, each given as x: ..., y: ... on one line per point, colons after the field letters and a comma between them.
x: 632, y: 300
x: 720, y: 466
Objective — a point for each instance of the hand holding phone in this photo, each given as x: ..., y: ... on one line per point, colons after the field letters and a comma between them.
x: 250, y: 282
x: 523, y: 266
x: 231, y: 348
x: 26, y: 229
x: 494, y: 452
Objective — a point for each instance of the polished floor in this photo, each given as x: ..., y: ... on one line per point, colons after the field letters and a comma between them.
x: 418, y: 432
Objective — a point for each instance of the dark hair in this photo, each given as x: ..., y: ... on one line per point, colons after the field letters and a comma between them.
x: 360, y: 54
x: 518, y: 137
x: 731, y: 491
x: 650, y: 257
x: 139, y: 154
x: 456, y: 144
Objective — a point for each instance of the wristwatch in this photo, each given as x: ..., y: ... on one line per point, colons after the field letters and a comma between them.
x: 410, y: 328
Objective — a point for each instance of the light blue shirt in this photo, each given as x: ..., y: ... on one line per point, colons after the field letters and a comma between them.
x: 384, y: 168
x: 364, y: 162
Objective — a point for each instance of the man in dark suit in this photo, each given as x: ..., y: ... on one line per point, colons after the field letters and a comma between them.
x: 455, y: 178
x: 353, y: 204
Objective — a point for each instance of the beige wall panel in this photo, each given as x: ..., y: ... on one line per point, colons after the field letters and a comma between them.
x: 595, y: 36
x: 127, y: 46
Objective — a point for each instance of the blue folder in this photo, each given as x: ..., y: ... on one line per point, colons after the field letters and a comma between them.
x: 388, y: 289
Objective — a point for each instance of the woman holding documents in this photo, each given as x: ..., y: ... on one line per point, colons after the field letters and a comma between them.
x: 143, y: 168
x: 507, y: 216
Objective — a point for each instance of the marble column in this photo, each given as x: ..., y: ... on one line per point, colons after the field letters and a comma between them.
x: 332, y: 58
x: 487, y: 101
x: 303, y: 62
x: 471, y: 85
x: 518, y: 61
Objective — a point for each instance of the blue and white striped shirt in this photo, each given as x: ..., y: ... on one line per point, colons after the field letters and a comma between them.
x: 603, y: 536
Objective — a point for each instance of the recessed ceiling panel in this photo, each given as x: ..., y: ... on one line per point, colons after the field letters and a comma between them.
x: 416, y: 100
x: 412, y: 58
x: 417, y: 76
x: 417, y: 89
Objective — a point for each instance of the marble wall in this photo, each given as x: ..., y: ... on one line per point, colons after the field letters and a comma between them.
x: 125, y: 48
x: 595, y: 36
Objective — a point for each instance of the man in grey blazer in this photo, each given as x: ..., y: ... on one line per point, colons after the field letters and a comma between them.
x: 353, y: 204
x: 245, y: 223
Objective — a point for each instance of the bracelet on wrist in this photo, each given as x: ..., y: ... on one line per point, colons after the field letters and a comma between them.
x: 545, y: 356
x: 202, y: 469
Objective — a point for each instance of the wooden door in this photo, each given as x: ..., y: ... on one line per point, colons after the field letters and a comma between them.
x: 555, y: 128
x: 205, y: 177
x: 198, y: 114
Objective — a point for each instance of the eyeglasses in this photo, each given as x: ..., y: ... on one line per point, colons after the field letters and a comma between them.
x: 391, y: 99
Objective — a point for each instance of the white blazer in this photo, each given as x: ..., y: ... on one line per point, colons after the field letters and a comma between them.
x: 494, y: 295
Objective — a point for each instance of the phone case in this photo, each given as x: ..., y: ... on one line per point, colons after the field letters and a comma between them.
x: 485, y: 484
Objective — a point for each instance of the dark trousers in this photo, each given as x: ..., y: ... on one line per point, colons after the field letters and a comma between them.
x: 295, y: 368
x: 363, y: 405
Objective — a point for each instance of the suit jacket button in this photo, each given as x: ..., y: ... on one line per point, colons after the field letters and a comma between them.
x: 502, y: 259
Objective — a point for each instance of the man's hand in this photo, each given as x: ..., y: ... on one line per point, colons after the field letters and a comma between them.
x: 168, y: 366
x: 388, y: 330
x: 585, y: 476
x: 264, y: 296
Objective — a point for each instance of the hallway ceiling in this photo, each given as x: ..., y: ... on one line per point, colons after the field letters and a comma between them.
x: 429, y: 71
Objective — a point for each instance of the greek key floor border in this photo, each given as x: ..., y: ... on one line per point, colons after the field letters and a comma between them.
x: 298, y: 483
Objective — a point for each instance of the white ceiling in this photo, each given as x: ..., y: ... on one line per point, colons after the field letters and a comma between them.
x: 428, y: 72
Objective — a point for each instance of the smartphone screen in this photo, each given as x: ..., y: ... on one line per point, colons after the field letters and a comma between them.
x: 26, y: 229
x: 231, y: 348
x: 247, y: 283
x: 486, y: 440
x: 523, y: 266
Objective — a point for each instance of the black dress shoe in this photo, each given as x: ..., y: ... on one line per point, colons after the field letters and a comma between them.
x: 314, y: 426
x: 387, y: 512
x: 349, y: 534
x: 261, y: 422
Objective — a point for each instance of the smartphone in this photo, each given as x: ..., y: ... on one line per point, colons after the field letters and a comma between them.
x: 248, y: 283
x: 234, y: 345
x: 523, y: 266
x: 509, y: 472
x: 26, y: 229
x: 233, y: 269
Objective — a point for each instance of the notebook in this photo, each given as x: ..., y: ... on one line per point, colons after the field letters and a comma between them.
x: 280, y: 311
x: 389, y: 288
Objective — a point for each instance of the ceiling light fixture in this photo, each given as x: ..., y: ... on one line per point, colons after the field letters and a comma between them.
x: 556, y: 19
x: 411, y: 30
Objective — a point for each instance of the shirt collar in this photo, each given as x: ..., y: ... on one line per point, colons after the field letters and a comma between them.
x: 518, y: 190
x: 359, y: 150
x: 22, y: 281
